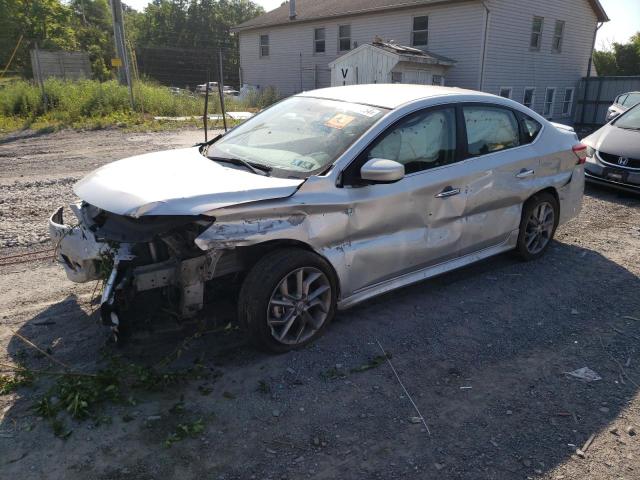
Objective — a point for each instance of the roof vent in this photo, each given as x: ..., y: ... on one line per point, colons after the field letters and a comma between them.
x: 292, y: 9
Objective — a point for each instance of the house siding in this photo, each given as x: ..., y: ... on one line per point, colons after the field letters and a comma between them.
x: 511, y: 63
x: 292, y: 66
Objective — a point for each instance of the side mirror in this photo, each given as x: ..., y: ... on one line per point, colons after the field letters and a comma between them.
x: 379, y: 170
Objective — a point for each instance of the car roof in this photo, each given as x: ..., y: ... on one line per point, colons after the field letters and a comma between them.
x: 389, y: 95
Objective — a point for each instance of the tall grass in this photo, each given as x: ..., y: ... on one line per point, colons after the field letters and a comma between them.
x: 89, y: 103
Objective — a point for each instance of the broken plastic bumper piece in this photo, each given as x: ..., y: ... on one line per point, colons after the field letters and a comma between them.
x: 76, y: 247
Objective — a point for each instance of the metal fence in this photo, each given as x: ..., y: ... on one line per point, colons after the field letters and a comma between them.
x: 186, y: 68
x: 596, y: 94
x: 59, y: 64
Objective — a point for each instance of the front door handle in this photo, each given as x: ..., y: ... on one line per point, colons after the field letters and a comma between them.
x: 524, y: 173
x: 448, y: 192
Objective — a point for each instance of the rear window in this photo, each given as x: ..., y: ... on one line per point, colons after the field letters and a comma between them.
x: 490, y: 129
x: 531, y: 128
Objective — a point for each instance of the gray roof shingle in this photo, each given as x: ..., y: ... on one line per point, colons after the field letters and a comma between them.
x: 307, y: 10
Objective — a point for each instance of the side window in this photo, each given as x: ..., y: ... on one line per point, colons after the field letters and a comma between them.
x: 344, y: 38
x: 420, y: 32
x: 318, y: 40
x: 490, y: 129
x: 531, y: 128
x: 621, y: 99
x: 631, y: 100
x: 505, y: 92
x: 264, y: 45
x: 421, y: 141
x: 536, y: 33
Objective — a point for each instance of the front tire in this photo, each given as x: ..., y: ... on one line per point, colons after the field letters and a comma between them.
x: 287, y: 299
x: 540, y: 216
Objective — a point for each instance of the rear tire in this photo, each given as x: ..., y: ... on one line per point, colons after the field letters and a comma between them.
x: 287, y: 300
x: 540, y: 216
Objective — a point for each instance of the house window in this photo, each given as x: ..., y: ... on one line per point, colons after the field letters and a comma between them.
x: 264, y: 45
x: 567, y: 101
x: 420, y: 32
x: 344, y: 37
x: 549, y: 97
x: 506, y: 92
x: 437, y: 80
x: 396, y: 77
x: 536, y: 33
x: 529, y: 95
x: 557, y: 36
x: 318, y: 40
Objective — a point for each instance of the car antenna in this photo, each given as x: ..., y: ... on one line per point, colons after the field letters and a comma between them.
x: 206, y: 107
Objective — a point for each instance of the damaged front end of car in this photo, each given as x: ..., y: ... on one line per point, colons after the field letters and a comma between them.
x: 134, y: 255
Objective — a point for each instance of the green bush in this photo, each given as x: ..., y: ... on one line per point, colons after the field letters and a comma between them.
x: 89, y: 103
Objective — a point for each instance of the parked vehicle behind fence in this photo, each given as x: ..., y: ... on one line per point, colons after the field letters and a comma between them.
x: 622, y: 103
x: 322, y: 201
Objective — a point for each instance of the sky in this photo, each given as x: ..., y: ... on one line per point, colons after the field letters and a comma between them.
x: 624, y: 15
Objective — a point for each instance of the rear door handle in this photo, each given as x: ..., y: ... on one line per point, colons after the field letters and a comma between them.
x: 448, y: 192
x: 524, y: 173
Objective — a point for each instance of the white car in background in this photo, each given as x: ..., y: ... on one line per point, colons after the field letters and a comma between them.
x: 622, y: 103
x: 322, y: 201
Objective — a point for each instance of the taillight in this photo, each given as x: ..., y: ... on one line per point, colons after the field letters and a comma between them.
x: 581, y: 152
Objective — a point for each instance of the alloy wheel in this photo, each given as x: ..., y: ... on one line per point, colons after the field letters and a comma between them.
x: 539, y: 227
x: 299, y: 305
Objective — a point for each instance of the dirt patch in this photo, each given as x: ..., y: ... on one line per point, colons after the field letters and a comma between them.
x: 483, y: 352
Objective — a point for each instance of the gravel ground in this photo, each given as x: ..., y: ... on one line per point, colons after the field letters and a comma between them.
x: 482, y: 351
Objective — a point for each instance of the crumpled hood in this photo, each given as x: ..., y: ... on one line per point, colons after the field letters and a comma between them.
x: 616, y: 141
x: 176, y: 182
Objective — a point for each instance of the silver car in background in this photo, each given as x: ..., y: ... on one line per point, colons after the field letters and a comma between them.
x: 613, y: 153
x: 622, y: 103
x: 322, y: 201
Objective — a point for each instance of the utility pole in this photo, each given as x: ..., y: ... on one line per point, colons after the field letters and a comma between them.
x: 221, y: 89
x: 124, y: 72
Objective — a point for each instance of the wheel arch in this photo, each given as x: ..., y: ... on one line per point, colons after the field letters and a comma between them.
x: 254, y: 252
x: 552, y: 191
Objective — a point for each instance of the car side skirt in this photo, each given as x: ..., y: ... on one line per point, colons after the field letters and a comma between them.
x: 428, y: 272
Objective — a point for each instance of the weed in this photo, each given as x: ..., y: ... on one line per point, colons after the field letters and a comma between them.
x: 90, y: 104
x: 9, y: 383
x: 264, y: 387
x: 185, y: 430
x: 373, y: 363
x: 178, y: 408
x: 59, y: 429
x: 332, y: 373
x: 204, y: 390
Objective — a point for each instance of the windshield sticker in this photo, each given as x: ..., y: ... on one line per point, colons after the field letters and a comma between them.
x: 364, y: 110
x: 339, y: 121
x: 303, y: 164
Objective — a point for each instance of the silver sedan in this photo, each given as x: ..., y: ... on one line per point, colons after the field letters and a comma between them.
x: 322, y: 201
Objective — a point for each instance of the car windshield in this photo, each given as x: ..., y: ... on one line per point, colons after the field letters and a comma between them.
x: 629, y: 120
x: 297, y: 137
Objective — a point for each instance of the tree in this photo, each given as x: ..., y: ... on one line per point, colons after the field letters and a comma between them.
x: 620, y: 59
x: 87, y: 25
x: 93, y: 27
x: 49, y: 23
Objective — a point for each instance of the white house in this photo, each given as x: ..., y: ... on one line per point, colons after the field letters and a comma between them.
x: 385, y: 62
x: 533, y: 51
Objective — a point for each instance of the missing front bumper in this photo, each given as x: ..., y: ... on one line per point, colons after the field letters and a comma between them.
x: 85, y: 258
